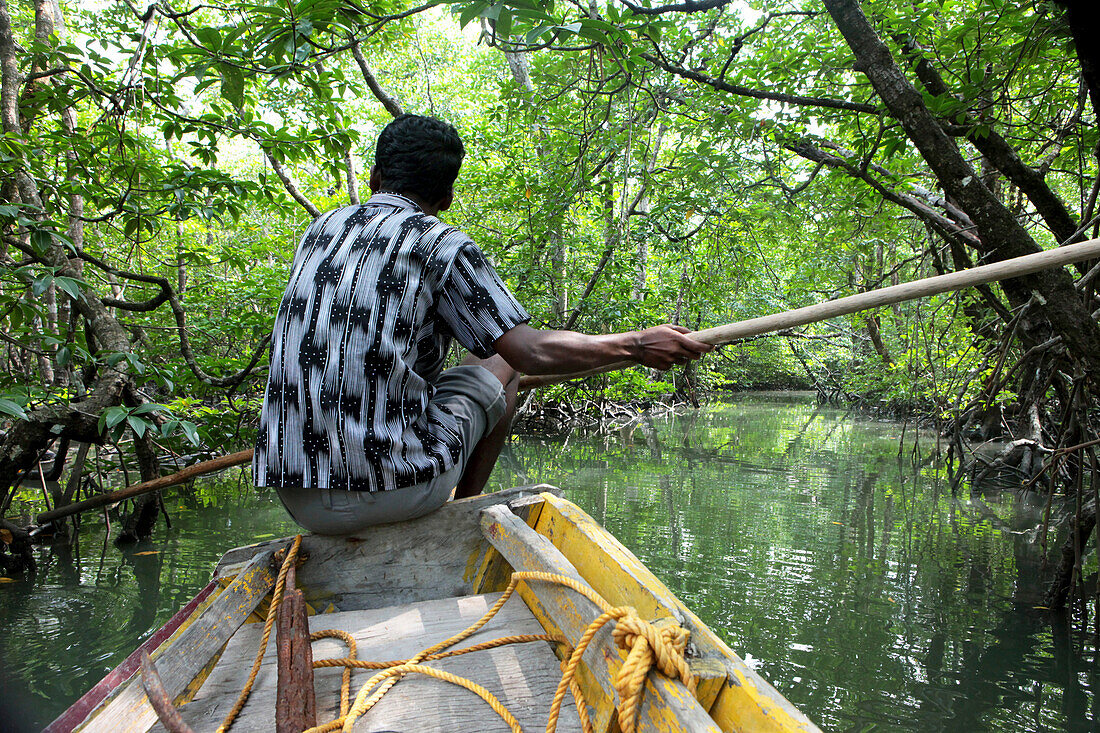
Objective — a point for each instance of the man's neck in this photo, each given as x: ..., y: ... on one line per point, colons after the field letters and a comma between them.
x: 429, y: 209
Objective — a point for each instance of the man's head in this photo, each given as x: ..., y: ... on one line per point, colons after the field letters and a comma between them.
x: 419, y: 157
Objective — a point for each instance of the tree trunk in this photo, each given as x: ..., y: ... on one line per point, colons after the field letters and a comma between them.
x: 143, y: 518
x: 1060, y: 307
x: 1074, y: 547
x: 78, y: 420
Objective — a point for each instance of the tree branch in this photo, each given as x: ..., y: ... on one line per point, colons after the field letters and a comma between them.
x: 962, y: 230
x: 997, y: 150
x: 743, y: 91
x: 688, y: 6
x: 1000, y: 235
x: 392, y: 106
x: 289, y: 185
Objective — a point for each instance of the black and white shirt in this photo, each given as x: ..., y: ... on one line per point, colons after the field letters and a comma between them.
x: 376, y: 294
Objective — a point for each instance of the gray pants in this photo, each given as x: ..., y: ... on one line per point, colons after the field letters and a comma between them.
x: 475, y: 397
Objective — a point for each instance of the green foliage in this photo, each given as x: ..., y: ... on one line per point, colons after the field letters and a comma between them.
x: 157, y: 420
x: 610, y: 193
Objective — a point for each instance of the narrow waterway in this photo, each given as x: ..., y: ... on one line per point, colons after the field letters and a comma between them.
x: 844, y: 571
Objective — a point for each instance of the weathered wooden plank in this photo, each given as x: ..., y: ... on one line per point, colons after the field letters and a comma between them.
x: 435, y: 556
x: 159, y: 699
x: 495, y: 572
x: 182, y: 659
x: 666, y: 705
x: 522, y: 676
x: 738, y: 699
x: 396, y: 632
x: 623, y: 580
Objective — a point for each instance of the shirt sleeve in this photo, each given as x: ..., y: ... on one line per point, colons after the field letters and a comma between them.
x: 476, y: 304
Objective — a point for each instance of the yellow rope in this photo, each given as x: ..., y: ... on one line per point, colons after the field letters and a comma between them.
x: 350, y: 662
x: 276, y: 599
x: 345, y: 683
x: 647, y: 647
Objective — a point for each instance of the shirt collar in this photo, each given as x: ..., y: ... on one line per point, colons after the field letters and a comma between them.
x: 388, y: 198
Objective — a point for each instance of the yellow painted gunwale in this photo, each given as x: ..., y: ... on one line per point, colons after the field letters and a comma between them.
x: 740, y: 700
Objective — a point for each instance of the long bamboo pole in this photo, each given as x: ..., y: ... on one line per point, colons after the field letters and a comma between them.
x: 1005, y: 270
x: 728, y: 333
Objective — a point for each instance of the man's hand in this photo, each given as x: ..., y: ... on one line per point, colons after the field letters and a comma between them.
x: 533, y: 351
x: 662, y: 347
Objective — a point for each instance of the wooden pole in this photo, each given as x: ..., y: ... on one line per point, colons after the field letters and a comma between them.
x: 163, y: 482
x: 169, y: 716
x: 1007, y: 269
x: 295, y: 698
x: 1016, y: 267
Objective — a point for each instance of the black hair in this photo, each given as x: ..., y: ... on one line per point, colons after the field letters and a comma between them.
x: 419, y: 155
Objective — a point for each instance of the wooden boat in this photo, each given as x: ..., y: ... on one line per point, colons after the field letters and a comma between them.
x: 398, y: 589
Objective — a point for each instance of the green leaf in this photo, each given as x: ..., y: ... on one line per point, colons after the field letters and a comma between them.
x: 41, y: 284
x: 233, y: 86
x: 112, y: 416
x: 135, y: 363
x: 504, y: 23
x: 210, y: 37
x: 138, y: 425
x: 12, y: 409
x: 190, y: 431
x: 470, y: 12
x: 41, y: 240
x: 69, y: 285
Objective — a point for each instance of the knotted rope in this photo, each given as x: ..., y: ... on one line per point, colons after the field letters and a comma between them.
x: 647, y: 647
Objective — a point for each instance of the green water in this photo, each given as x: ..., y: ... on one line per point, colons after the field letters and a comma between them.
x: 851, y: 579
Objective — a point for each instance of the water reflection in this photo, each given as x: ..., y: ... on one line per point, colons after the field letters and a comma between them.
x: 843, y: 569
x: 92, y: 603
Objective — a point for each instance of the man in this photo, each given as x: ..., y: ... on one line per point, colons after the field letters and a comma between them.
x: 360, y: 425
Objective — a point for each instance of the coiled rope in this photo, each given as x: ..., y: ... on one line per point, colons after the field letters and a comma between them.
x: 647, y: 648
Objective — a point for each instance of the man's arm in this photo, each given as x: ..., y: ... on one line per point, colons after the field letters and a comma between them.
x: 532, y: 351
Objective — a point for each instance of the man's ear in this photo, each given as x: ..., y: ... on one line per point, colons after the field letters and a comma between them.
x: 446, y: 201
x: 375, y: 179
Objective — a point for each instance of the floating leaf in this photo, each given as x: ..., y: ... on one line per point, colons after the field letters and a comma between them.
x: 7, y: 580
x: 147, y: 552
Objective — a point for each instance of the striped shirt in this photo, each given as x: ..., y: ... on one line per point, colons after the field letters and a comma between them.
x: 376, y: 294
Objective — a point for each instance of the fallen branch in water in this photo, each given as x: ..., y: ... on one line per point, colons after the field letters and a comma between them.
x: 163, y: 482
